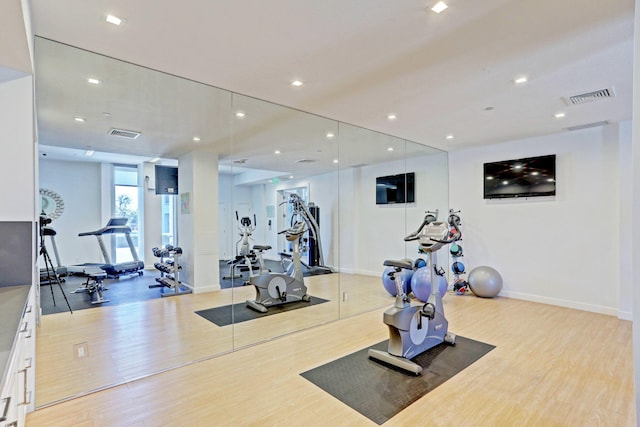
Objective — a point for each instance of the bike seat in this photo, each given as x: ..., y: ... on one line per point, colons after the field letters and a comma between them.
x: 399, y: 264
x: 261, y: 247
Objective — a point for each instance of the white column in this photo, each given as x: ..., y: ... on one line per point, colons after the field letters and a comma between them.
x: 198, y: 220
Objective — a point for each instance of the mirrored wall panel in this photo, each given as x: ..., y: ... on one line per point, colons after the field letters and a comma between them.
x: 251, y: 220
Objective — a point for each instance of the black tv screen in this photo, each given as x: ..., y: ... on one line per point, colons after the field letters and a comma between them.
x: 166, y: 180
x: 395, y: 189
x: 528, y: 177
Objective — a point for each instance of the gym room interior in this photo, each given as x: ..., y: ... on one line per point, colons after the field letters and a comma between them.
x: 164, y: 161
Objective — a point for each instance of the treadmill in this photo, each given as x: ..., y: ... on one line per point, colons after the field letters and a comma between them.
x: 113, y: 271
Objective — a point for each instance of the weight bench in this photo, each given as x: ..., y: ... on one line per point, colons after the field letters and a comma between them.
x: 93, y: 285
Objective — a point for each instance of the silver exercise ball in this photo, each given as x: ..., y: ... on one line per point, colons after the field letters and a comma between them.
x: 485, y: 282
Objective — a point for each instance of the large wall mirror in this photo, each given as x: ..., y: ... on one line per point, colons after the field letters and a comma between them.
x: 274, y: 166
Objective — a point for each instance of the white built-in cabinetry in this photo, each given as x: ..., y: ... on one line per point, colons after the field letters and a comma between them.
x: 17, y: 354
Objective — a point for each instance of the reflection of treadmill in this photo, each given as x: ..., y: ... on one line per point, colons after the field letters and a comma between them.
x: 114, y: 226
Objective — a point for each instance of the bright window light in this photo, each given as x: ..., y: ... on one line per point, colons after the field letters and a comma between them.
x: 114, y: 20
x: 439, y: 7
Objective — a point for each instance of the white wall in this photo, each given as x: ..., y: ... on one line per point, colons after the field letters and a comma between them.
x: 18, y: 170
x: 561, y: 250
x: 635, y: 207
x: 80, y: 186
x: 151, y: 208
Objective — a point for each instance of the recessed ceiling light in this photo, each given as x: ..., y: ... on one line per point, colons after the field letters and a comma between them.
x: 391, y: 116
x: 559, y: 115
x: 449, y: 136
x: 93, y: 81
x: 290, y: 176
x: 520, y: 80
x: 79, y: 119
x: 390, y: 149
x: 296, y: 83
x: 89, y: 153
x: 330, y: 135
x: 534, y: 173
x: 114, y: 20
x: 439, y: 7
x: 240, y: 114
x: 196, y: 139
x: 276, y: 152
x: 154, y: 160
x: 336, y: 160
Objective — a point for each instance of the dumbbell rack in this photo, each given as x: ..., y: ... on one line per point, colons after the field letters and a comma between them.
x: 169, y: 267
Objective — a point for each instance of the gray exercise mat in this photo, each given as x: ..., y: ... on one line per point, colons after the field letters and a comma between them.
x: 379, y: 391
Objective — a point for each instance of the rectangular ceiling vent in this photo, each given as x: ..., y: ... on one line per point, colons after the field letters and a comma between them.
x: 129, y: 134
x: 589, y: 125
x: 590, y: 96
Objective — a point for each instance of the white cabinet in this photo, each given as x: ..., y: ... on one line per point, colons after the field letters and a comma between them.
x: 17, y: 388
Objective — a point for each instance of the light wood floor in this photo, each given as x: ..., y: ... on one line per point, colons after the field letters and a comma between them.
x: 551, y: 367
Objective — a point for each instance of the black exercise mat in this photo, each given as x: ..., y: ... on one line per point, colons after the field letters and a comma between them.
x: 121, y: 291
x: 225, y: 315
x: 379, y: 391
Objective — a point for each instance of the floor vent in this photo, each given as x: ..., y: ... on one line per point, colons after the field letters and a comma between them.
x: 590, y: 96
x: 589, y: 125
x: 129, y: 134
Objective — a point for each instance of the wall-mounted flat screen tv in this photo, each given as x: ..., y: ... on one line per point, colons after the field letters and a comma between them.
x: 396, y: 189
x: 166, y: 180
x: 528, y: 177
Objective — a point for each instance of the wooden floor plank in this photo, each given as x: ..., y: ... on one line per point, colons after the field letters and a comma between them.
x: 551, y: 366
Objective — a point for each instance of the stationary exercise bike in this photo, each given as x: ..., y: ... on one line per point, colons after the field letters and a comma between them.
x: 279, y: 288
x: 415, y: 328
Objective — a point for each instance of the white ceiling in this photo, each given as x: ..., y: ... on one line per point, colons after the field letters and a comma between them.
x: 441, y: 74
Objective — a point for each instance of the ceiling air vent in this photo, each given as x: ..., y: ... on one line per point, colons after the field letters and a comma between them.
x: 590, y: 96
x: 129, y: 134
x: 589, y: 125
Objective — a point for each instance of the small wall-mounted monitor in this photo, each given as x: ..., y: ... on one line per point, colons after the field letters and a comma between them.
x: 528, y: 177
x: 396, y: 189
x: 166, y: 180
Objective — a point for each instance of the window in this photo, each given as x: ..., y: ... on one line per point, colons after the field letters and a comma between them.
x: 169, y: 217
x: 125, y: 186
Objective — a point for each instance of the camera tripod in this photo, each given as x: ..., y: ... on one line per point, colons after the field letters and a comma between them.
x: 52, y: 275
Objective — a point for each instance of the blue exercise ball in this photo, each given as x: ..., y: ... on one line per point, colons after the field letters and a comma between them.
x: 485, y: 282
x: 421, y: 284
x: 390, y: 285
x: 457, y: 267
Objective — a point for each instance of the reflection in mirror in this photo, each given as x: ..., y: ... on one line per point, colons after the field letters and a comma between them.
x: 371, y: 232
x: 276, y: 167
x: 132, y: 335
x: 284, y: 171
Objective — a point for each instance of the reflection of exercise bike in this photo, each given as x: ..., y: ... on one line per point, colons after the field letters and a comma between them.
x: 415, y: 328
x: 278, y: 288
x: 245, y: 259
